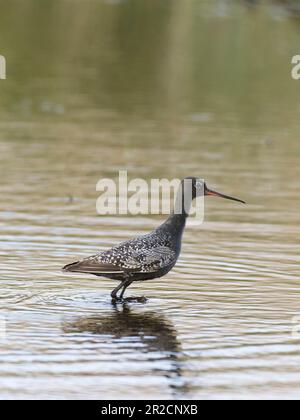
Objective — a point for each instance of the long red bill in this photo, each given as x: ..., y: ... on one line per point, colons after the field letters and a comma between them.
x: 216, y: 194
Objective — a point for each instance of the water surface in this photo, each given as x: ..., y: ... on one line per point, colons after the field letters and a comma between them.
x: 161, y: 89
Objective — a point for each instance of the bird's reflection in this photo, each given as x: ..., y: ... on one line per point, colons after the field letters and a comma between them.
x: 154, y: 331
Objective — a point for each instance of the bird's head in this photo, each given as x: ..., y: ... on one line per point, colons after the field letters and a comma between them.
x: 199, y: 188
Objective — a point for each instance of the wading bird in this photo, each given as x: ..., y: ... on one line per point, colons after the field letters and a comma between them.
x: 147, y: 256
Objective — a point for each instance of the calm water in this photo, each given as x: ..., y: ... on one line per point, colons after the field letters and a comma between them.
x: 161, y: 88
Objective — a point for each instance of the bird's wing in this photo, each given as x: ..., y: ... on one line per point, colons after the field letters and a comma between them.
x: 150, y: 260
x: 141, y: 261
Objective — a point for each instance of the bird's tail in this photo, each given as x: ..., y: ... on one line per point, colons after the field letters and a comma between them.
x: 72, y: 267
x: 91, y: 266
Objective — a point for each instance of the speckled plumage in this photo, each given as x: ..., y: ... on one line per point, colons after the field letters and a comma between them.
x: 148, y: 256
x: 142, y: 258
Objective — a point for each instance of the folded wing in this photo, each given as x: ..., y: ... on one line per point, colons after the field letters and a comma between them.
x: 134, y: 261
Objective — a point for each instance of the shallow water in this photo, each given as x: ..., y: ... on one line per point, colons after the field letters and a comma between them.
x: 91, y: 99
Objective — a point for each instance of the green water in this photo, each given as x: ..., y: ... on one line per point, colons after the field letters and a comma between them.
x: 161, y: 88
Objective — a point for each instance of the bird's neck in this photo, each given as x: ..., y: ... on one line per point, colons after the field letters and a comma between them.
x: 183, y: 204
x: 175, y: 223
x: 177, y: 220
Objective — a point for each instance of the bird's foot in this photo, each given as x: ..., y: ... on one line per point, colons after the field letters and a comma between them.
x: 138, y: 299
x: 116, y: 299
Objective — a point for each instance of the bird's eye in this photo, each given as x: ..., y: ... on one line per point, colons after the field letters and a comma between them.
x: 199, y: 184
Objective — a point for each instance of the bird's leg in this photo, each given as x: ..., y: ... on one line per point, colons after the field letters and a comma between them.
x: 115, y: 291
x: 127, y: 283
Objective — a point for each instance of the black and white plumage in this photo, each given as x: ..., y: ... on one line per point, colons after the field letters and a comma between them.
x: 142, y: 258
x: 147, y: 256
